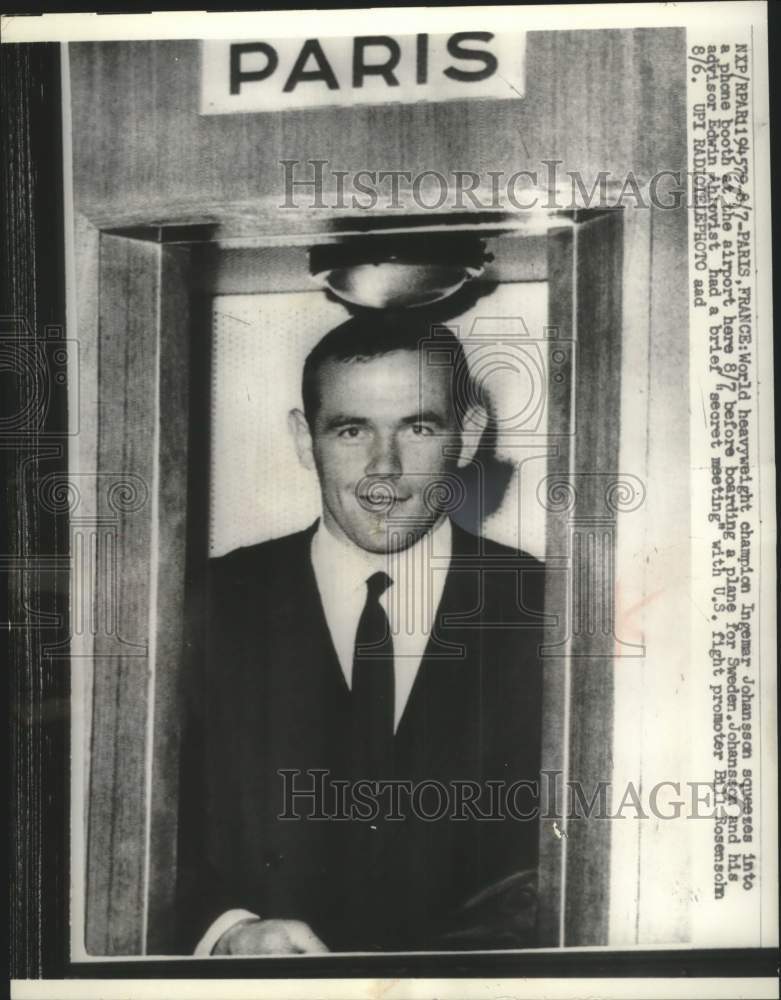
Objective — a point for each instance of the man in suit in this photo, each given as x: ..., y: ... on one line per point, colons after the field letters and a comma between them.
x: 363, y: 739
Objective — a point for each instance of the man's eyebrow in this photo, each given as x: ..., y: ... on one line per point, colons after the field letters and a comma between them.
x: 343, y: 419
x: 426, y: 417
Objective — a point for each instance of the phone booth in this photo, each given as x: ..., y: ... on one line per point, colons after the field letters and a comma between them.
x: 199, y: 294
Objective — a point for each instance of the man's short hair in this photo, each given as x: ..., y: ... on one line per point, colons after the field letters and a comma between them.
x: 363, y: 338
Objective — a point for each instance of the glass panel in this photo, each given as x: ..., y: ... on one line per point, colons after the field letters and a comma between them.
x: 258, y: 489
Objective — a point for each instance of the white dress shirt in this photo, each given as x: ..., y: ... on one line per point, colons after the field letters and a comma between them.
x: 410, y: 602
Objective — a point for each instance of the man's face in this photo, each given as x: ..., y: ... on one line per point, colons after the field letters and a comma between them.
x: 379, y: 443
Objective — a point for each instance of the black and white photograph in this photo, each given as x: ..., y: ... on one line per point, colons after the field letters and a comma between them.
x: 391, y: 523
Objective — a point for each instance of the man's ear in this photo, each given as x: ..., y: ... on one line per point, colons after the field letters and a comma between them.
x: 302, y: 438
x: 475, y: 421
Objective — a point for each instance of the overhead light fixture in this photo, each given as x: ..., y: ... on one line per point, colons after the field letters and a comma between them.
x: 399, y: 271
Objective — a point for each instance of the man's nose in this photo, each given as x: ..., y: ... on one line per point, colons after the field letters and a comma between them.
x: 385, y: 459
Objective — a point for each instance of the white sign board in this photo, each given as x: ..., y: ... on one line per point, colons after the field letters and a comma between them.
x: 277, y: 74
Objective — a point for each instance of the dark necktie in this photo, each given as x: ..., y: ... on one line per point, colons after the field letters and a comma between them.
x: 373, y: 686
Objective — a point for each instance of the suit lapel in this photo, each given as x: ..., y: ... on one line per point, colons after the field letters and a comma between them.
x: 310, y: 621
x: 439, y: 683
x: 438, y: 731
x: 307, y: 694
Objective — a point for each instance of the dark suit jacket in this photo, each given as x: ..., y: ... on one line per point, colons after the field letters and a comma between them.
x: 266, y: 692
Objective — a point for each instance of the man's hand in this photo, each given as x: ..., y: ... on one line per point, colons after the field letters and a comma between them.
x: 269, y: 937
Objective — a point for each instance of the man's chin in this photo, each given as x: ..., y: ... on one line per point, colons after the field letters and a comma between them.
x: 383, y: 536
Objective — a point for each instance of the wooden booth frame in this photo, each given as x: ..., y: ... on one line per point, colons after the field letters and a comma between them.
x: 148, y: 372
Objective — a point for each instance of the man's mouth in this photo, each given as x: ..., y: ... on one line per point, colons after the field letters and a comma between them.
x: 374, y: 503
x: 381, y: 498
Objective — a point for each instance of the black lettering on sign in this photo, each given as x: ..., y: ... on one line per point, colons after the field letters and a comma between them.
x: 422, y: 62
x: 384, y: 69
x: 298, y: 74
x: 459, y: 51
x: 239, y: 75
